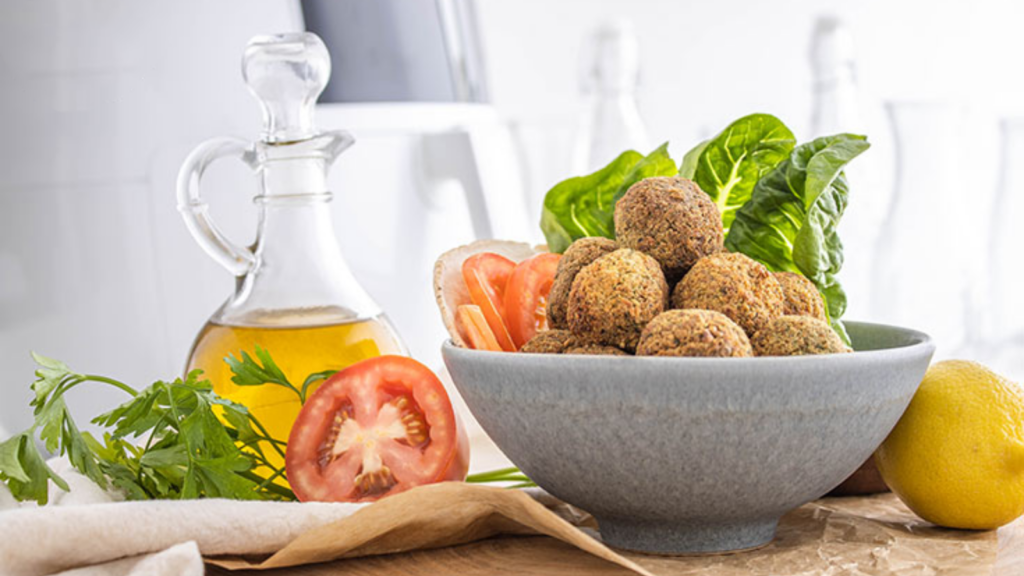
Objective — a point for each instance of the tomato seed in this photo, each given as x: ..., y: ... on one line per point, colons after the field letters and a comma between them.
x: 372, y: 483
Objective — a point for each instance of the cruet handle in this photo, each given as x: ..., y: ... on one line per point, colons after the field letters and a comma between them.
x: 238, y: 260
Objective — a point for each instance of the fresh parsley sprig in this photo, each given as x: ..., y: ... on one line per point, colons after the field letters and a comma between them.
x: 170, y: 440
x: 248, y: 372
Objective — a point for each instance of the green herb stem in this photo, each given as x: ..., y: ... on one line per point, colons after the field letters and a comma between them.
x: 487, y: 476
x: 511, y: 474
x: 271, y: 487
x: 273, y: 443
x: 112, y: 382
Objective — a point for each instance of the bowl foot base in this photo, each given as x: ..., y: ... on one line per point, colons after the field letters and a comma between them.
x: 677, y: 538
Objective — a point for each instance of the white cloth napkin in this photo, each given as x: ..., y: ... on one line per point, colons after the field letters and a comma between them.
x: 85, y: 532
x: 178, y: 560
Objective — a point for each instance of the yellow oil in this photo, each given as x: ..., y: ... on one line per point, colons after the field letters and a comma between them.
x: 298, y: 350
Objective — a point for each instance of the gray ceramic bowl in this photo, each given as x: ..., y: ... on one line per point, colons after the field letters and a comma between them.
x: 692, y: 455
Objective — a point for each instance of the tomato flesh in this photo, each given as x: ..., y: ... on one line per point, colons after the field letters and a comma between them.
x: 486, y: 275
x: 378, y: 427
x: 473, y: 328
x: 526, y: 296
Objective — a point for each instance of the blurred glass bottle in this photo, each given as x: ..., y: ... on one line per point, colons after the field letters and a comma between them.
x: 611, y: 122
x: 922, y: 263
x: 836, y: 108
x: 1004, y: 329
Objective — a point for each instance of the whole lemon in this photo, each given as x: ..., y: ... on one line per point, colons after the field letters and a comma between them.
x: 956, y: 457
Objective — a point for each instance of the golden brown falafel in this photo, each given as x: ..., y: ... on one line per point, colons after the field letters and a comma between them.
x: 796, y: 336
x: 579, y: 254
x: 671, y: 219
x: 597, y: 350
x: 549, y: 342
x: 802, y: 296
x: 735, y: 285
x: 693, y: 333
x: 615, y: 296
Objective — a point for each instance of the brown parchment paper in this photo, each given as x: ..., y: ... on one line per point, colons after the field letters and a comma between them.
x: 428, y: 517
x: 458, y: 528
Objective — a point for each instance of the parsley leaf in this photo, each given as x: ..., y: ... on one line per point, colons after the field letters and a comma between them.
x: 24, y: 470
x: 249, y: 372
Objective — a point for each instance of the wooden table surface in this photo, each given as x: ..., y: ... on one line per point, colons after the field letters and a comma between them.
x: 544, y: 556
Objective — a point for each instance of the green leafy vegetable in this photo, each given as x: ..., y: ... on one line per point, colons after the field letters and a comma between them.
x: 790, y: 222
x: 24, y: 470
x: 170, y: 440
x: 688, y: 167
x: 585, y: 205
x: 728, y: 166
x: 248, y: 372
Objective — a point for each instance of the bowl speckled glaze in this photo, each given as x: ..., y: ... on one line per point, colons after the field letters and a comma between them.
x: 693, y: 455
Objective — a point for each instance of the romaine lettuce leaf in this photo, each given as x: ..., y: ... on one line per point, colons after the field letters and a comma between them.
x: 728, y: 166
x: 790, y: 221
x: 585, y: 205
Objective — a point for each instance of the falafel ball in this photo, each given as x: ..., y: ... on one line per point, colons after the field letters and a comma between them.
x: 671, y: 219
x: 579, y: 254
x: 802, y: 297
x: 797, y: 336
x: 693, y: 333
x: 615, y: 296
x: 597, y: 350
x: 549, y: 342
x: 735, y: 285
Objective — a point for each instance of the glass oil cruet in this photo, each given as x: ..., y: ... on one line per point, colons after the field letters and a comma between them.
x: 294, y: 293
x: 611, y: 120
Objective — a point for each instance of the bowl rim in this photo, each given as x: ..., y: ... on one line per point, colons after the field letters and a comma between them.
x: 920, y: 343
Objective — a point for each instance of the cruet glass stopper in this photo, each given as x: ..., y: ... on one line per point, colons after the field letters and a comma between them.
x: 287, y: 73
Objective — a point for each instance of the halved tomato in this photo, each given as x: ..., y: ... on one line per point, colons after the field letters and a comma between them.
x: 378, y: 427
x: 486, y: 275
x: 526, y: 296
x: 473, y: 328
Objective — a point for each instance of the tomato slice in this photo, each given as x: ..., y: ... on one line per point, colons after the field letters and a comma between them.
x: 473, y: 328
x: 526, y: 296
x: 378, y: 427
x: 486, y: 275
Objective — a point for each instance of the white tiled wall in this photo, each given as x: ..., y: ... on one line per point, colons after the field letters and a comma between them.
x: 100, y: 101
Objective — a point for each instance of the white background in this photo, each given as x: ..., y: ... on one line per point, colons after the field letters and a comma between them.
x: 102, y: 99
